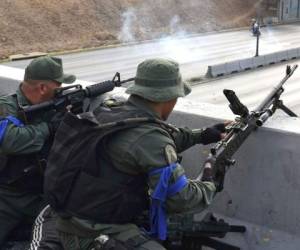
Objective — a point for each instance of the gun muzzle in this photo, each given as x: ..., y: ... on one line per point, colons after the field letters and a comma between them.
x: 262, y: 119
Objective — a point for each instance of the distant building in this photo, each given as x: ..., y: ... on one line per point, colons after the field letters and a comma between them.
x: 288, y: 10
x: 273, y: 11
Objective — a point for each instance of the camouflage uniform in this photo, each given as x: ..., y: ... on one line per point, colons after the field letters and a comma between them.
x: 144, y: 149
x: 21, y: 184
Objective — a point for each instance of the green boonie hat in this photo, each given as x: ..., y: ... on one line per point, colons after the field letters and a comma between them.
x: 159, y: 80
x: 47, y: 68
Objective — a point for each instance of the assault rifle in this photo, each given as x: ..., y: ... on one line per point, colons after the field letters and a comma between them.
x: 245, y: 124
x: 184, y: 233
x: 72, y: 97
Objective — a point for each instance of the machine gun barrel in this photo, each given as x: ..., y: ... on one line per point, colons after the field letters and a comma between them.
x: 277, y: 91
x: 269, y: 105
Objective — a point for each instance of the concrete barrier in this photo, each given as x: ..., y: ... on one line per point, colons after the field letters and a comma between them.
x: 216, y: 70
x: 246, y: 64
x: 233, y: 67
x: 228, y: 68
x: 259, y: 61
x: 270, y: 59
x: 282, y: 56
x: 8, y: 86
x: 292, y: 54
x: 298, y: 52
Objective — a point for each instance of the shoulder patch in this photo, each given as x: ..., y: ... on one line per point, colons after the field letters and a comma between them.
x: 170, y: 154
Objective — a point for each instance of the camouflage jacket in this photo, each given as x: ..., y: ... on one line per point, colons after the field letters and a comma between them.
x: 140, y: 150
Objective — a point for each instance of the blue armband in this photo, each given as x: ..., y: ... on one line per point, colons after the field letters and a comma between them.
x: 4, y: 122
x: 158, y: 221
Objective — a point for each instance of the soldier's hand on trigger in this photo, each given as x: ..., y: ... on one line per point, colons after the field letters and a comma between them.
x: 222, y: 127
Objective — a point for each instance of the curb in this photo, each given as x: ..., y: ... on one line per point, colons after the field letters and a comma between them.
x: 26, y: 56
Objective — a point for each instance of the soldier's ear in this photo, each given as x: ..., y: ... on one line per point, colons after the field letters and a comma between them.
x: 43, y: 88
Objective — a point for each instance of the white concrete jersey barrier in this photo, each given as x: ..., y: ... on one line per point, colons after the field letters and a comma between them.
x: 236, y: 66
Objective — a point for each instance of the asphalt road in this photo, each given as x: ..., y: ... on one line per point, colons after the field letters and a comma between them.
x: 194, y: 53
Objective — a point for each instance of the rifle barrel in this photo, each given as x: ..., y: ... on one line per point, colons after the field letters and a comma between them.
x: 127, y: 80
x: 103, y: 87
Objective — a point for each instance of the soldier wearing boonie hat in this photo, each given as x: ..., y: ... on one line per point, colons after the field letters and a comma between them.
x: 159, y: 80
x: 147, y: 154
x: 23, y: 143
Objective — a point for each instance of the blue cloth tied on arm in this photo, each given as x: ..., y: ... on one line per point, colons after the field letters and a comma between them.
x: 4, y: 122
x: 158, y: 221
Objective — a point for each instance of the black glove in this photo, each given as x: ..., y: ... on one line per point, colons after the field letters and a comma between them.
x: 220, y: 126
x: 55, y: 121
x: 210, y: 135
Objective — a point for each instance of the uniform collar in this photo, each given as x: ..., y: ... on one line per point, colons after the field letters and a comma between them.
x: 142, y: 104
x: 22, y: 100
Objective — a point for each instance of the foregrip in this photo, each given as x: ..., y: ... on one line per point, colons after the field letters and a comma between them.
x: 99, y: 88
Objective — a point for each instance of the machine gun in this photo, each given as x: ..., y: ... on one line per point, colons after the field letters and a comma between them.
x: 72, y: 97
x: 188, y: 234
x: 246, y: 122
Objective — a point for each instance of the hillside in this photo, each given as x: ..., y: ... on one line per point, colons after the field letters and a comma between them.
x: 47, y: 26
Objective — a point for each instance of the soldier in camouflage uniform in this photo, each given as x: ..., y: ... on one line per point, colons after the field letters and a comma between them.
x: 24, y: 142
x: 145, y: 158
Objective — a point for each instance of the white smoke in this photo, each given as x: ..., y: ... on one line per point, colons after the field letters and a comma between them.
x: 174, y: 45
x: 171, y: 44
x: 175, y: 27
x: 128, y: 19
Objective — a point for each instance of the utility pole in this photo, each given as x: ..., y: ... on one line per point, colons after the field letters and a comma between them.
x: 256, y: 32
x: 257, y: 42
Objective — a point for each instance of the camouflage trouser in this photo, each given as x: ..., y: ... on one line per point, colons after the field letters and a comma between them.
x: 140, y: 242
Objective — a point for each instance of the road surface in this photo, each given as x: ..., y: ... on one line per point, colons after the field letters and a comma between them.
x: 194, y: 53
